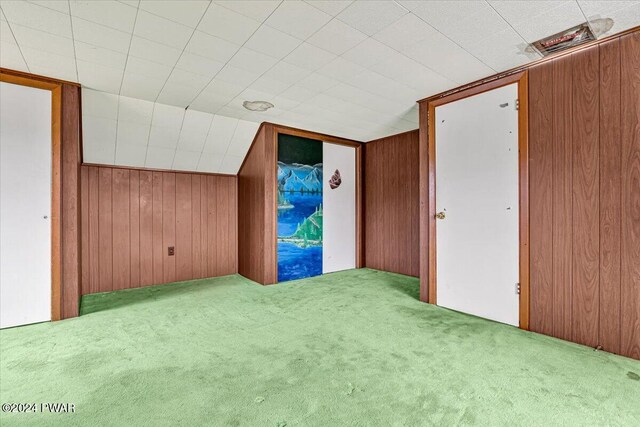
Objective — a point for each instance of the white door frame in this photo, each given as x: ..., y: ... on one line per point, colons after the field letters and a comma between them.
x: 521, y: 78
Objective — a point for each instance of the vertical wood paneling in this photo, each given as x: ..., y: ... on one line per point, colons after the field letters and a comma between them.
x: 93, y: 285
x: 610, y: 156
x: 196, y: 227
x: 392, y: 204
x: 541, y: 197
x: 169, y: 225
x: 158, y: 244
x: 84, y: 224
x: 184, y: 267
x: 586, y: 222
x: 121, y: 237
x: 562, y: 196
x: 130, y: 217
x: 105, y: 235
x: 146, y: 228
x: 134, y: 227
x: 630, y: 200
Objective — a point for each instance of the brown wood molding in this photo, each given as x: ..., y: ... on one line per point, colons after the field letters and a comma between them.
x: 23, y: 79
x: 34, y: 79
x: 99, y: 165
x: 521, y: 78
x: 525, y: 67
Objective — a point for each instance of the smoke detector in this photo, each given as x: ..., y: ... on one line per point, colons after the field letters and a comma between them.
x: 257, y: 105
x: 571, y: 37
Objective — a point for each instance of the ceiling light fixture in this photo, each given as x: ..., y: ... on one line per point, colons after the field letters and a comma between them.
x: 257, y: 105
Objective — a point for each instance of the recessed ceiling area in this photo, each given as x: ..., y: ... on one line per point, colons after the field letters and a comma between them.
x: 348, y: 68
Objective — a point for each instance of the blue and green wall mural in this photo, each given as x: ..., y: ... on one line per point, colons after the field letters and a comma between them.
x: 299, y: 207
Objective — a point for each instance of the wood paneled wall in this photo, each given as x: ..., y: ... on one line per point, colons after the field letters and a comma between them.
x: 392, y: 204
x: 585, y: 196
x: 256, y: 211
x: 131, y: 216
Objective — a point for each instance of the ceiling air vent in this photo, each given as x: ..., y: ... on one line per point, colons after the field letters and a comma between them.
x: 572, y: 37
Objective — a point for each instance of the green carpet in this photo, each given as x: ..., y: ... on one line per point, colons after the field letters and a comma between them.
x: 349, y: 348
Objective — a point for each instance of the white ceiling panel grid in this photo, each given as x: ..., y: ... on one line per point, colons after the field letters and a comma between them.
x: 150, y: 68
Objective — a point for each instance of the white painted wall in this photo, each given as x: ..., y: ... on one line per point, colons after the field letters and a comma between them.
x: 339, y: 209
x: 25, y: 205
x: 477, y: 188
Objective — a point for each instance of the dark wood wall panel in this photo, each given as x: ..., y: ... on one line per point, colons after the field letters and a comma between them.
x: 392, y: 204
x: 630, y: 194
x: 130, y: 217
x: 584, y: 122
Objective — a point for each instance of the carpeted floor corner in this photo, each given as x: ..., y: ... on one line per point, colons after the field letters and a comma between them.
x: 348, y: 348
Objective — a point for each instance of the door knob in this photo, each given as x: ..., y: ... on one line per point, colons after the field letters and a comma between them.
x: 440, y: 215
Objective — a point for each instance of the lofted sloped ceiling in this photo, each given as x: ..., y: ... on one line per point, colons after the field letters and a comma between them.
x: 349, y: 68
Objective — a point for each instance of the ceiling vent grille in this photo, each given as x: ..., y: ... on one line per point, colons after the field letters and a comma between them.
x: 564, y: 40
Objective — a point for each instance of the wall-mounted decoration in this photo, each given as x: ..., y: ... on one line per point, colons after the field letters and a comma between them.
x: 335, y: 180
x: 300, y: 229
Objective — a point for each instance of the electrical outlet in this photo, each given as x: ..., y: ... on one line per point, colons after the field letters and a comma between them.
x: 171, y: 250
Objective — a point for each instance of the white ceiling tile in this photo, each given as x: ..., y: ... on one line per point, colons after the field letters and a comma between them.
x: 105, y: 12
x: 298, y: 19
x: 130, y: 133
x: 185, y: 12
x: 231, y: 164
x: 211, y: 47
x: 272, y: 42
x: 191, y: 141
x: 141, y: 86
x: 372, y: 16
x: 209, y: 162
x: 162, y: 30
x: 221, y: 90
x: 227, y: 24
x: 269, y: 85
x: 197, y: 122
x: 99, y: 55
x: 220, y: 134
x: 99, y: 104
x: 159, y: 157
x: 331, y: 7
x: 336, y: 37
x: 317, y: 82
x: 148, y: 68
x: 284, y: 103
x: 99, y: 35
x: 287, y: 73
x: 405, y: 32
x: 167, y: 116
x: 623, y: 19
x: 135, y: 110
x: 40, y: 40
x: 237, y: 76
x: 103, y: 154
x: 368, y: 53
x: 533, y: 24
x: 186, y: 160
x: 188, y: 79
x: 37, y: 17
x: 502, y: 51
x: 11, y: 57
x: 297, y: 93
x: 309, y: 57
x: 132, y: 3
x: 153, y: 51
x: 165, y: 137
x: 341, y: 69
x: 254, y: 9
x: 130, y: 155
x: 177, y: 94
x: 250, y: 60
x: 199, y: 65
x: 49, y: 64
x: 99, y: 77
x: 465, y: 22
x: 242, y: 138
x: 401, y: 68
x: 99, y: 131
x: 207, y: 104
x: 59, y: 6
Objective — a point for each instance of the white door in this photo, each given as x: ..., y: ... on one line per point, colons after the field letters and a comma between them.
x: 339, y: 207
x: 25, y: 205
x: 477, y: 191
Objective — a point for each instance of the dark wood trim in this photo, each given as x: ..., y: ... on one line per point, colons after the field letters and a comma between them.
x: 315, y: 135
x: 56, y: 179
x: 99, y: 165
x: 525, y: 67
x: 35, y: 78
x: 521, y: 79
